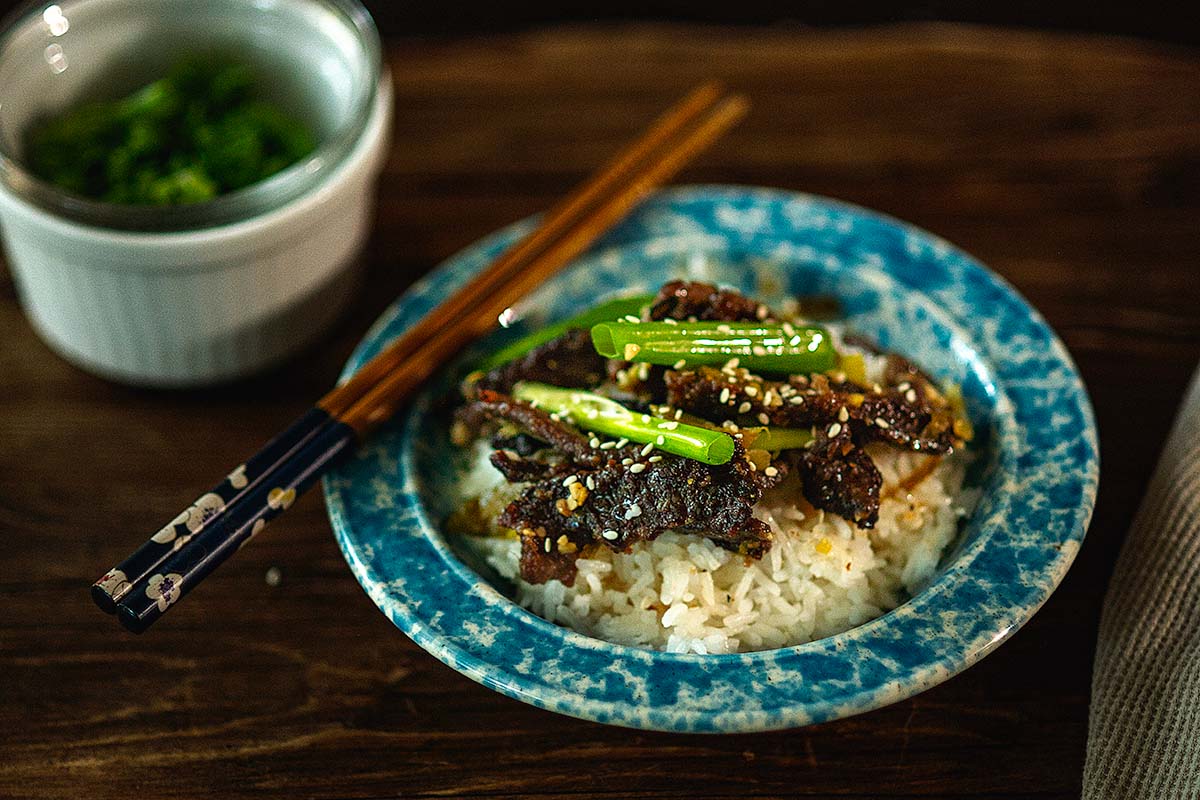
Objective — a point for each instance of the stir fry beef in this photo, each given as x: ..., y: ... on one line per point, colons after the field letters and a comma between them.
x: 838, y: 476
x: 902, y: 416
x: 579, y: 494
x: 617, y: 496
x: 569, y: 360
x: 681, y: 300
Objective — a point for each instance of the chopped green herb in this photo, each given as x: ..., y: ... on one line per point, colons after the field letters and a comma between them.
x: 191, y: 136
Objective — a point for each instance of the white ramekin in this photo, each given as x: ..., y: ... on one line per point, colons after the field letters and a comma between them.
x: 182, y: 308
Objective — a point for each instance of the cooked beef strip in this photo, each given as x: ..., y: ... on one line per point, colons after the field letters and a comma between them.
x: 838, y: 476
x: 489, y: 405
x: 673, y: 493
x: 923, y: 423
x: 521, y: 443
x: 684, y: 299
x: 569, y: 360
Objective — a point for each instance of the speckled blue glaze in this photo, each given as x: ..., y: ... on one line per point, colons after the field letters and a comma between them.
x: 1037, y: 468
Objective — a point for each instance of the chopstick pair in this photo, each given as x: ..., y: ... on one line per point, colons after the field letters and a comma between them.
x: 142, y: 587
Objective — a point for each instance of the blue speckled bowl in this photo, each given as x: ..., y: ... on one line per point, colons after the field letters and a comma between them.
x: 1037, y: 469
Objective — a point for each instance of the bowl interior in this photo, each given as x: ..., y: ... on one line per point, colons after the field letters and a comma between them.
x: 309, y: 61
x: 874, y: 304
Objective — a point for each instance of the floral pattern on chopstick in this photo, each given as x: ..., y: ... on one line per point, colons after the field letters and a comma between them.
x: 164, y: 589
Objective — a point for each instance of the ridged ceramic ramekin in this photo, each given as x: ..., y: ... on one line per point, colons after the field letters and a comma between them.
x: 193, y: 295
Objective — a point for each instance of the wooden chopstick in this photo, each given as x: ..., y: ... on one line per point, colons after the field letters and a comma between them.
x: 382, y: 400
x: 183, y: 553
x: 569, y: 212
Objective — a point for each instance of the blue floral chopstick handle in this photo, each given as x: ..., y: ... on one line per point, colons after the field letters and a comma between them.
x: 207, y: 511
x: 264, y: 500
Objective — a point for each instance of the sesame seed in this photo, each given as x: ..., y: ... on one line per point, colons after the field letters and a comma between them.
x: 752, y: 391
x: 622, y: 442
x: 593, y: 442
x: 661, y: 440
x: 789, y: 329
x: 770, y: 472
x: 669, y: 425
x: 548, y: 545
x: 835, y: 429
x: 763, y: 418
x: 590, y: 483
x: 654, y: 459
x: 633, y: 512
x: 758, y: 350
x: 797, y: 400
x: 678, y: 413
x: 744, y: 407
x: 911, y: 396
x: 647, y: 449
x: 670, y: 321
x: 724, y: 328
x: 632, y: 318
x: 843, y: 414
x: 795, y: 340
x: 881, y: 422
x: 645, y: 418
x: 607, y: 445
x: 610, y: 535
x: 753, y: 466
x: 725, y: 395
x: 631, y: 350
x: 681, y: 363
x: 636, y: 468
x: 904, y: 386
x: 570, y: 480
x: 625, y: 462
x: 732, y: 363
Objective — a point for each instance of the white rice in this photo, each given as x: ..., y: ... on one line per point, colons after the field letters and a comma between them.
x: 682, y: 593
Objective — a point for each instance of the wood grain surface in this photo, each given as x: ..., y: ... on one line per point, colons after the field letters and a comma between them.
x: 1069, y: 164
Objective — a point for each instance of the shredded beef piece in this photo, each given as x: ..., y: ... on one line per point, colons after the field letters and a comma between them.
x: 489, y: 405
x: 672, y: 493
x: 569, y: 361
x: 522, y: 444
x: 806, y: 401
x: 839, y: 476
x: 516, y: 469
x: 683, y: 299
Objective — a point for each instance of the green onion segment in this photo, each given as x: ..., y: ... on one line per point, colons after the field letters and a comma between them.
x: 602, y: 415
x: 757, y: 346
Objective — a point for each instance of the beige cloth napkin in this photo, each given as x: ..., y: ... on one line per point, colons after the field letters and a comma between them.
x: 1144, y: 731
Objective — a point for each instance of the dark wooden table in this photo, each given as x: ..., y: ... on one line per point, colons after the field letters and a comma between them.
x: 1069, y: 164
